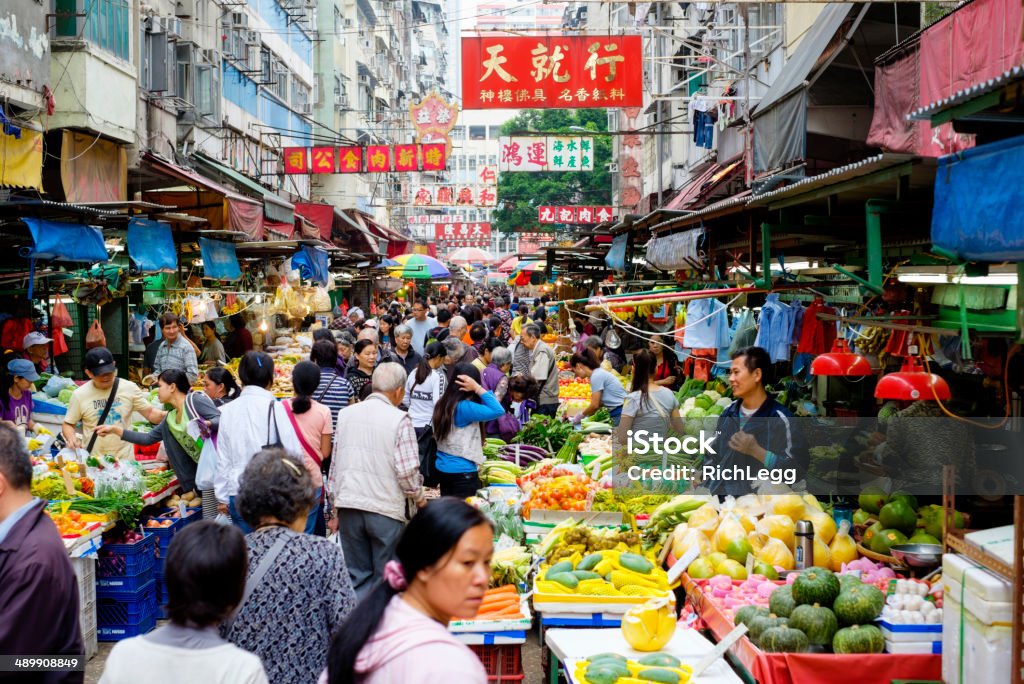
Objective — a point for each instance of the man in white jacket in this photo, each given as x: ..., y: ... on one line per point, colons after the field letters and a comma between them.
x: 375, y: 472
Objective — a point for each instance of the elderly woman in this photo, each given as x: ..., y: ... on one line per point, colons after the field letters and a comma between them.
x: 455, y: 350
x: 403, y: 352
x: 494, y: 376
x: 299, y: 590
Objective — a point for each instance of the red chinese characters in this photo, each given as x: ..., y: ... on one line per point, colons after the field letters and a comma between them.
x: 407, y: 158
x: 323, y: 159
x: 296, y: 160
x: 574, y: 215
x: 501, y: 71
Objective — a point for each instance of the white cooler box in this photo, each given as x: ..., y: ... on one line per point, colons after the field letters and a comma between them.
x: 978, y: 603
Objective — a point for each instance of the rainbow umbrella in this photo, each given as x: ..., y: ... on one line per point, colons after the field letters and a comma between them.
x: 527, y: 272
x: 470, y: 255
x: 418, y: 266
x: 508, y: 265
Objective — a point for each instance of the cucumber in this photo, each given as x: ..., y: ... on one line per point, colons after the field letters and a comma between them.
x: 590, y: 562
x: 584, y: 575
x: 636, y: 563
x: 566, y: 579
x: 659, y: 660
x: 563, y: 566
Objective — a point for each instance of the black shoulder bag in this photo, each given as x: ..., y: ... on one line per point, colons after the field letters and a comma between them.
x: 103, y: 415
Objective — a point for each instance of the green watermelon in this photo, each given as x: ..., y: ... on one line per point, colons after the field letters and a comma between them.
x: 758, y: 625
x: 858, y: 605
x: 781, y: 600
x: 861, y: 517
x: 885, y: 539
x: 818, y: 623
x: 784, y: 640
x: 872, y: 500
x: 898, y: 515
x: 747, y: 613
x: 858, y: 639
x: 815, y: 585
x: 906, y: 497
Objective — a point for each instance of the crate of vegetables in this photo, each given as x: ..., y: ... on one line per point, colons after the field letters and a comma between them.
x: 126, y: 553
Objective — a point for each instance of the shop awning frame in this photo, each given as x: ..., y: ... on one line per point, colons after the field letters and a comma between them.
x: 1007, y: 89
x: 191, y: 178
x: 275, y: 208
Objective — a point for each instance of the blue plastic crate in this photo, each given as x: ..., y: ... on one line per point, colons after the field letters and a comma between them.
x: 158, y: 566
x: 115, y: 587
x: 161, y: 599
x: 119, y: 560
x: 127, y: 609
x: 121, y: 632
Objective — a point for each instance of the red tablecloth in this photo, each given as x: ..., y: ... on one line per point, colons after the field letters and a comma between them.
x: 812, y: 668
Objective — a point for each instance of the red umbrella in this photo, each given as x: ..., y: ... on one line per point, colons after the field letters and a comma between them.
x: 508, y: 265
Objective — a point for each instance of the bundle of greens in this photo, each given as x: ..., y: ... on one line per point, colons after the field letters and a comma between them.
x: 156, y: 482
x: 543, y: 431
x: 127, y: 508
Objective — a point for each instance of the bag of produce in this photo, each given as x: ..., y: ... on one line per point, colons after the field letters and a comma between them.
x: 776, y: 553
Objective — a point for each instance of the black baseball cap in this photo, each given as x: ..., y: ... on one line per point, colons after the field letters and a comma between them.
x: 100, y: 361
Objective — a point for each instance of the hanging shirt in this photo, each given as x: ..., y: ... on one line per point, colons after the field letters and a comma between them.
x: 816, y: 336
x: 707, y: 324
x: 776, y: 328
x: 797, y: 310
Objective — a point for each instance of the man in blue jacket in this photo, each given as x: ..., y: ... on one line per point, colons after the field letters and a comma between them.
x: 755, y: 431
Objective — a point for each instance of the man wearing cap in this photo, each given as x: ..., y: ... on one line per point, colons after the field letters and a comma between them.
x: 37, y: 349
x: 176, y: 352
x: 89, y: 401
x: 16, y: 407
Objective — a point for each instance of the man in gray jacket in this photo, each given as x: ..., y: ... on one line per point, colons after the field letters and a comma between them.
x: 543, y: 368
x: 375, y: 472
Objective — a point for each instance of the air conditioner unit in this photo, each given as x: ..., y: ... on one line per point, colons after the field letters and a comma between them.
x: 154, y: 24
x: 239, y: 19
x: 613, y: 167
x: 341, y: 101
x: 173, y: 26
x: 185, y: 8
x: 251, y: 37
x: 306, y: 108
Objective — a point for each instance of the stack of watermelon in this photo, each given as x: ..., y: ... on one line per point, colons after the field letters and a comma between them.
x: 817, y: 608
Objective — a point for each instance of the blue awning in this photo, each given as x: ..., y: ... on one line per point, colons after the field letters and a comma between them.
x: 978, y: 199
x: 219, y: 259
x: 151, y: 246
x: 312, y: 264
x: 65, y: 241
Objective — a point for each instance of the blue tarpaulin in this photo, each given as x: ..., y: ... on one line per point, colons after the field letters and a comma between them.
x: 219, y: 259
x: 978, y: 202
x: 312, y: 264
x: 65, y: 241
x: 615, y: 259
x: 151, y: 246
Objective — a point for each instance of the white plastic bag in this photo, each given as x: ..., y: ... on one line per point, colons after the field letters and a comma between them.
x: 206, y: 470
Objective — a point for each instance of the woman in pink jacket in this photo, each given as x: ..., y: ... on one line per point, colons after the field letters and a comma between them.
x: 399, y: 632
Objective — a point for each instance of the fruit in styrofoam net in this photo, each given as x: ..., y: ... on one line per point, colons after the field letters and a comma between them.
x: 779, y: 527
x: 729, y: 530
x: 648, y: 627
x: 816, y: 585
x: 776, y: 553
x: 843, y: 548
x: 824, y: 524
x: 790, y: 505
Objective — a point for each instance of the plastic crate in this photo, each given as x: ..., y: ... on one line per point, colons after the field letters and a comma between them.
x: 503, y: 663
x: 115, y: 587
x: 127, y: 609
x: 87, y: 623
x: 147, y: 452
x: 118, y: 560
x: 121, y: 632
x: 161, y: 598
x: 85, y: 572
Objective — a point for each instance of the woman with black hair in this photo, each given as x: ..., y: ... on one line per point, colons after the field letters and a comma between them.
x: 220, y: 386
x: 238, y: 342
x: 649, y: 407
x: 423, y: 390
x: 605, y: 388
x: 458, y: 420
x: 205, y: 575
x: 182, y: 448
x: 385, y: 334
x: 213, y: 349
x: 299, y: 591
x: 399, y: 631
x: 366, y: 360
x: 250, y: 423
x: 16, y: 387
x: 662, y: 348
x: 315, y: 429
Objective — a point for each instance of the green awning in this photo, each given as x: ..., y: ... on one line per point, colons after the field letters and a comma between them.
x: 274, y: 208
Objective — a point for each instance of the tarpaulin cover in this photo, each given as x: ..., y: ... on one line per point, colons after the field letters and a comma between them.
x: 275, y: 230
x: 780, y: 135
x: 245, y: 217
x: 92, y: 169
x: 978, y: 195
x: 23, y: 160
x: 66, y: 241
x: 312, y: 264
x: 151, y: 246
x: 320, y: 215
x: 219, y: 259
x: 670, y: 253
x: 615, y: 259
x: 895, y: 96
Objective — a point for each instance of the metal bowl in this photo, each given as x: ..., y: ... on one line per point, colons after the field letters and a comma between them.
x: 917, y: 555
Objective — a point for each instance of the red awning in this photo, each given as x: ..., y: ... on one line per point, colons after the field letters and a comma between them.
x: 692, y: 189
x: 276, y: 229
x: 320, y: 215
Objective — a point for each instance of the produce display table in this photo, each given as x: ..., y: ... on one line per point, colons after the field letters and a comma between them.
x: 570, y: 645
x: 87, y: 544
x: 581, y: 623
x: 810, y: 668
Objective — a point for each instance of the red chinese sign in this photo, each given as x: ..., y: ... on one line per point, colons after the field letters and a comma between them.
x: 433, y: 118
x: 574, y: 215
x: 378, y: 158
x: 537, y: 237
x: 463, y: 234
x: 461, y: 196
x: 556, y: 72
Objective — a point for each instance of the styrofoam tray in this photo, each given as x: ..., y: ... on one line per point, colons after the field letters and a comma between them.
x: 998, y: 541
x: 910, y: 633
x: 984, y: 655
x: 491, y: 638
x: 493, y: 626
x: 986, y: 612
x: 905, y: 648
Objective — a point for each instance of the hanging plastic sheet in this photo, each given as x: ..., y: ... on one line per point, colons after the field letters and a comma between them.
x: 616, y: 257
x: 977, y: 210
x: 151, y: 246
x: 312, y: 264
x: 65, y: 241
x: 219, y: 259
x: 674, y: 252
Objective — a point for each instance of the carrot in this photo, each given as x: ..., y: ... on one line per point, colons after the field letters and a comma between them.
x: 515, y: 611
x: 506, y: 589
x: 488, y: 605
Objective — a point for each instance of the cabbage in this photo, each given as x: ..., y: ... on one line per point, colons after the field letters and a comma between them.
x: 688, y: 405
x: 64, y: 396
x: 696, y: 413
x: 703, y: 402
x: 724, y: 402
x: 694, y: 426
x: 715, y: 410
x: 715, y: 396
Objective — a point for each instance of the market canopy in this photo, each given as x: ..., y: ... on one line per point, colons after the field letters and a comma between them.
x: 470, y: 255
x: 62, y: 241
x: 274, y: 207
x: 508, y: 265
x: 418, y: 266
x: 151, y: 245
x: 220, y: 261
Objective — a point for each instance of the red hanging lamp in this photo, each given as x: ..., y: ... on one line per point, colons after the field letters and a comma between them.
x: 840, y: 362
x: 912, y: 383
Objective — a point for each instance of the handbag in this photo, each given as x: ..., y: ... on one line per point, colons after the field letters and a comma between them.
x: 428, y: 456
x: 272, y: 421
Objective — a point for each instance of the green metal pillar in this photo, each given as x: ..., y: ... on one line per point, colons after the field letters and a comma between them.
x: 766, y: 255
x: 874, y: 208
